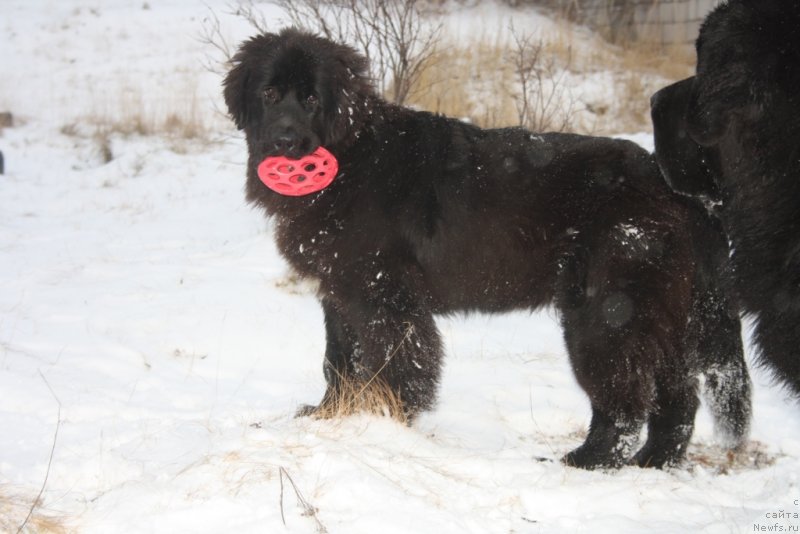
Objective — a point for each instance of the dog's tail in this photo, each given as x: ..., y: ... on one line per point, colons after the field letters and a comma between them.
x: 715, y: 331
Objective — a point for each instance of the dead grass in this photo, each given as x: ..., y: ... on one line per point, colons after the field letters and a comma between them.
x: 722, y: 461
x: 180, y: 129
x: 644, y: 68
x: 308, y: 509
x: 14, y: 509
x: 373, y: 396
x: 674, y: 62
x: 478, y: 82
x: 182, y: 119
x: 645, y: 54
x: 468, y: 83
x: 134, y: 116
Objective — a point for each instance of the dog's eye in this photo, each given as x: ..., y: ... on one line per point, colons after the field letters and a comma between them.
x: 312, y: 101
x: 271, y: 95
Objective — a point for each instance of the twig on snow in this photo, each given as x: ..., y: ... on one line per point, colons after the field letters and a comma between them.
x: 38, y: 498
x: 308, y: 509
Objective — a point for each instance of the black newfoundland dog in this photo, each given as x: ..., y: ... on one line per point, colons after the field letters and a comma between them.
x: 731, y: 135
x: 429, y: 215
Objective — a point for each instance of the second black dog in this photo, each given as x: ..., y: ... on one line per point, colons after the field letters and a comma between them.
x: 731, y: 134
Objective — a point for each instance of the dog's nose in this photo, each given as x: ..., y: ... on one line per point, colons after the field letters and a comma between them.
x: 286, y: 144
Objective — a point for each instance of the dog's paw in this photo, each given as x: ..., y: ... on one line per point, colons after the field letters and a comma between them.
x: 582, y: 458
x: 307, y: 410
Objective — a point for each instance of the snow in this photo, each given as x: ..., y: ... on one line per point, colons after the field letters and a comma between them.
x: 146, y: 318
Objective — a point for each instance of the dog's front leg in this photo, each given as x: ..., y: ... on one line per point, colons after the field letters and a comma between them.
x: 398, y: 344
x: 381, y: 338
x: 341, y: 351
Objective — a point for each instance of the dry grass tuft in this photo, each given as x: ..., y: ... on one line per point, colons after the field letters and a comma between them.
x: 135, y: 111
x: 136, y: 117
x: 722, y: 461
x: 181, y: 125
x: 357, y: 397
x: 14, y: 509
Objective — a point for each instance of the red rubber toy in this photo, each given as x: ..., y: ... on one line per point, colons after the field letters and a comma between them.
x: 298, y: 177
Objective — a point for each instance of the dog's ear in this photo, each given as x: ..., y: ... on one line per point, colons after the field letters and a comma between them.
x: 688, y: 167
x: 708, y: 110
x: 239, y: 90
x: 236, y: 95
x: 352, y: 90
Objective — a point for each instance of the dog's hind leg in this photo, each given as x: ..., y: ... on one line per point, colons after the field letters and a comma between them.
x: 625, y: 338
x: 608, y: 366
x: 714, y: 347
x: 713, y: 340
x: 727, y: 392
x: 611, y: 441
x: 670, y: 424
x: 727, y: 381
x: 610, y: 369
x: 714, y: 335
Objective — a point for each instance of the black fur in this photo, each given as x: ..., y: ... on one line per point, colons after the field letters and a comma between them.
x: 732, y: 133
x: 429, y: 215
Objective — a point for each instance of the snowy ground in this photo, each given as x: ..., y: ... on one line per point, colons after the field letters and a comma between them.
x: 146, y: 318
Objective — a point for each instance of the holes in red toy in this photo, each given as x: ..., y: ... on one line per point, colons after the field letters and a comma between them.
x: 303, y: 176
x: 282, y: 186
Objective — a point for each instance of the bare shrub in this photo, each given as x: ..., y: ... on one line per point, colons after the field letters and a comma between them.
x: 502, y: 80
x: 464, y: 82
x: 218, y: 60
x: 390, y: 33
x: 544, y: 101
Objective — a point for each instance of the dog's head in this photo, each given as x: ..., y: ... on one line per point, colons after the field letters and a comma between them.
x: 748, y: 55
x: 747, y: 73
x: 293, y: 91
